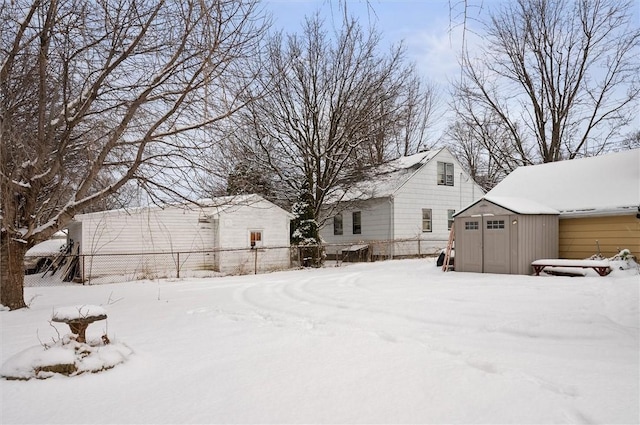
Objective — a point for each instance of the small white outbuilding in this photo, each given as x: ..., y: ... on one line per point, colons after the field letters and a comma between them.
x: 235, y: 234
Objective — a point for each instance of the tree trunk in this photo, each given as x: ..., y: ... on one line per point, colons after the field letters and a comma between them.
x: 12, y: 255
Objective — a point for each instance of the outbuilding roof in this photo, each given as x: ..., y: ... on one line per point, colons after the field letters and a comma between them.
x: 600, y: 185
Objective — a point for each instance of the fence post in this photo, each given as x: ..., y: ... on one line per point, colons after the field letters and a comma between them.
x: 83, y: 277
x: 178, y: 268
x: 255, y: 261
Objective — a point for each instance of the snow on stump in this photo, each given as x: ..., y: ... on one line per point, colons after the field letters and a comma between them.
x: 79, y: 318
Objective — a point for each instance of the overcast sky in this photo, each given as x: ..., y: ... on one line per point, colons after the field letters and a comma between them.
x: 430, y: 29
x: 423, y: 25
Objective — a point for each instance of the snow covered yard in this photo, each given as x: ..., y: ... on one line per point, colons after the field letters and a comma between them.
x: 389, y: 342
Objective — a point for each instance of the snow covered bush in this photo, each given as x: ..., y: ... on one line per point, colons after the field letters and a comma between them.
x: 624, y: 260
x: 65, y: 357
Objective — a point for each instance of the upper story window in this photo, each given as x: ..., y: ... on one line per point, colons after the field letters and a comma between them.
x: 357, y: 222
x: 337, y: 224
x: 426, y: 219
x: 445, y: 173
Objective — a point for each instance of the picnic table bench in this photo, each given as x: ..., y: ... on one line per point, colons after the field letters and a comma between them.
x: 79, y: 318
x: 600, y: 266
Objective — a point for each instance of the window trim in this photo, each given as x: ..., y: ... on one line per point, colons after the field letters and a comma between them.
x: 472, y: 225
x: 445, y: 173
x: 256, y: 242
x: 450, y: 214
x: 495, y: 224
x: 338, y: 225
x: 428, y: 221
x: 356, y: 225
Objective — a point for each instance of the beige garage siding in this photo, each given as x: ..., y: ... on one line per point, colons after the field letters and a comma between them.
x: 578, y: 236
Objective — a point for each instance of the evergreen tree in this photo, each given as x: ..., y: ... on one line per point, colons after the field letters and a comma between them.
x: 305, y: 231
x: 246, y: 178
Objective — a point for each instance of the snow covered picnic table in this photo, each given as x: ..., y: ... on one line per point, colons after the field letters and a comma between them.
x: 79, y: 318
x: 600, y: 266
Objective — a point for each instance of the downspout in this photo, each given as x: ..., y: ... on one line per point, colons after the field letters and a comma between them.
x: 473, y: 189
x: 460, y: 180
x: 391, y: 233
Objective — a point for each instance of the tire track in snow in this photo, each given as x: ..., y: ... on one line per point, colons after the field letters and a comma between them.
x: 302, y: 305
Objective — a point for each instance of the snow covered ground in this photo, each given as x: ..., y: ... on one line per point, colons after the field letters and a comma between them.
x: 389, y: 342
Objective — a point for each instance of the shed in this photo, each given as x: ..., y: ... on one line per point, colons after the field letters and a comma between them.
x: 496, y: 235
x: 216, y: 234
x: 569, y: 209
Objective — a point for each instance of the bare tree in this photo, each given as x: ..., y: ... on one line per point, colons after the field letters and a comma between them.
x: 415, y: 110
x: 559, y: 76
x: 632, y: 140
x: 94, y: 95
x: 332, y: 109
x: 469, y: 142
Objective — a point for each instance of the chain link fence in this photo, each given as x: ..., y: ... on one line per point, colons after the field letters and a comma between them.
x: 93, y: 269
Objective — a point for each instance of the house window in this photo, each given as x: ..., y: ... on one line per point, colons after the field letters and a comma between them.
x: 357, y: 223
x: 426, y: 219
x: 445, y: 174
x: 495, y: 224
x: 337, y: 224
x: 450, y: 214
x: 255, y: 238
x: 471, y: 225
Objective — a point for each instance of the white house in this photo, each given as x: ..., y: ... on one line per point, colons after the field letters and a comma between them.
x: 410, y: 200
x: 237, y: 234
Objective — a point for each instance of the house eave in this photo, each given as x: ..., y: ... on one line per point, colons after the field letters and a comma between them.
x: 600, y: 212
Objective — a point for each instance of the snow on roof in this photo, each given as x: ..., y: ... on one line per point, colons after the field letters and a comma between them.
x: 600, y: 184
x: 388, y: 177
x: 521, y: 205
x: 230, y: 203
x: 220, y: 204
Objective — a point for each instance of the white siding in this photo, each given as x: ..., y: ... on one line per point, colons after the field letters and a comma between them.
x: 235, y: 225
x: 179, y: 229
x: 376, y: 220
x: 145, y: 230
x: 422, y: 191
x: 404, y: 212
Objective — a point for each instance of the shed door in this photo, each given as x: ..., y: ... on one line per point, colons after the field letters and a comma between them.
x: 472, y: 256
x: 497, y: 251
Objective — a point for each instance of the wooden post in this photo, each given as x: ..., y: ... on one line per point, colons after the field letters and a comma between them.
x: 178, y: 268
x: 255, y: 261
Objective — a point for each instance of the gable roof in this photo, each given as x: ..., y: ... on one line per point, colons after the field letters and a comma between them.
x: 387, y: 178
x: 606, y: 184
x: 210, y: 206
x: 229, y: 204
